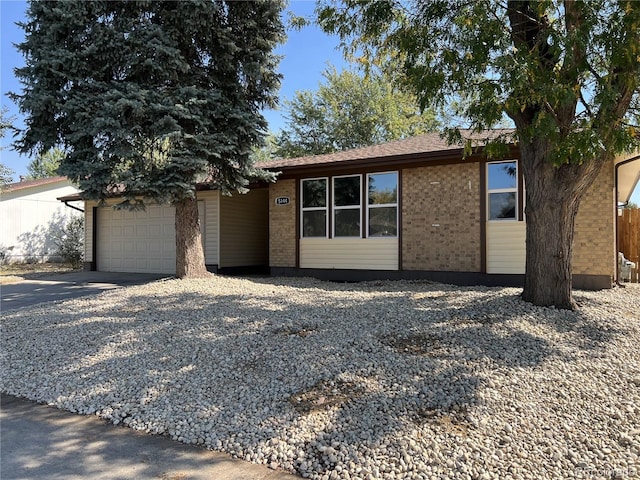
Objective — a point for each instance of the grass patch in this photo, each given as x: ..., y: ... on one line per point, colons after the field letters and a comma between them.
x: 325, y: 394
x: 17, y: 272
x: 417, y: 344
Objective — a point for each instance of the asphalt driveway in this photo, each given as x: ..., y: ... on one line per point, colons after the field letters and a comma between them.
x: 37, y: 441
x: 64, y: 286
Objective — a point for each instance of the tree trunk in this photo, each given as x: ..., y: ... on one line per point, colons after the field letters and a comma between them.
x: 189, y: 251
x: 550, y: 218
x: 553, y: 196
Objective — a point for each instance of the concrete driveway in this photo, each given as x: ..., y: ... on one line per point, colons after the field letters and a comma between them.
x: 63, y: 286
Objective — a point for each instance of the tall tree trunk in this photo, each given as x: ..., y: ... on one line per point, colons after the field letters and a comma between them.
x: 189, y: 252
x: 550, y: 217
x: 553, y: 196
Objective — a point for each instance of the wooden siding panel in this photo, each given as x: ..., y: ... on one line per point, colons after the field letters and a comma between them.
x: 351, y: 253
x: 506, y: 247
x: 88, y: 231
x: 210, y: 203
x: 244, y: 229
x: 629, y: 238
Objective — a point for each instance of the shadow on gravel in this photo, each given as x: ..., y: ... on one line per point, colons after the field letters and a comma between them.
x: 234, y: 364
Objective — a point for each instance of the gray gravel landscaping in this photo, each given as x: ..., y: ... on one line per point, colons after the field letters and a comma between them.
x: 375, y: 380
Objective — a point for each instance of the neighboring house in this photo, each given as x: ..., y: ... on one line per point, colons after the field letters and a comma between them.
x: 417, y: 209
x: 234, y: 229
x: 31, y: 215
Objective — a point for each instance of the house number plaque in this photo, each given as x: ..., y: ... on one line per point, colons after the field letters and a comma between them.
x: 282, y: 200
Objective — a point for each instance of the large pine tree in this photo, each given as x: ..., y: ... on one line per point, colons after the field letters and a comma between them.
x: 150, y: 98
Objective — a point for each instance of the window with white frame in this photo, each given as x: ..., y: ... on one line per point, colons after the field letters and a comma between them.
x: 502, y: 190
x: 314, y: 207
x: 382, y: 204
x: 347, y: 212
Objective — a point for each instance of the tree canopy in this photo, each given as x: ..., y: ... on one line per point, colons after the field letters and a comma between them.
x: 112, y: 81
x: 566, y: 73
x: 150, y: 98
x: 45, y: 165
x: 6, y: 174
x: 350, y: 110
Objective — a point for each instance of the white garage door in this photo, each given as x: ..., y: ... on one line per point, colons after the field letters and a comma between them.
x: 140, y: 241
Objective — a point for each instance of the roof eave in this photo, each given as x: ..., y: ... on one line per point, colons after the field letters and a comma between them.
x: 444, y: 156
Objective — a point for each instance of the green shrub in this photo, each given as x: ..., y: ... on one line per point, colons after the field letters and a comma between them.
x: 70, y: 242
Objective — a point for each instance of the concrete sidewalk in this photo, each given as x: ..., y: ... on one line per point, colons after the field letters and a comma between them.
x: 38, y: 442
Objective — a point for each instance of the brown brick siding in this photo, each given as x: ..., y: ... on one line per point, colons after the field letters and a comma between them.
x: 594, y: 250
x: 282, y: 225
x: 455, y: 244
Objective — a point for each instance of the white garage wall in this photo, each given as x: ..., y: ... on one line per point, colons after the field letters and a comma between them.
x: 29, y: 218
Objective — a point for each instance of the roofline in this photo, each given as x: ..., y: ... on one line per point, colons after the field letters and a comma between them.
x: 16, y: 186
x: 455, y: 155
x: 200, y: 187
x: 70, y: 198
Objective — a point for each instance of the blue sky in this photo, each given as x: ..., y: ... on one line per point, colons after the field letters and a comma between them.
x: 306, y: 54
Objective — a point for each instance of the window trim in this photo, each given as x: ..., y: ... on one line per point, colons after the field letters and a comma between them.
x: 383, y: 205
x: 515, y: 190
x: 314, y: 209
x: 335, y: 208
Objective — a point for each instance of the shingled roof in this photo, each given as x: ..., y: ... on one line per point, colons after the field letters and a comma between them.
x: 12, y: 187
x: 427, y: 144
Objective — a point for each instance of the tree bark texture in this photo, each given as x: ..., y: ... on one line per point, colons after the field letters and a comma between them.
x: 190, y: 261
x: 553, y: 196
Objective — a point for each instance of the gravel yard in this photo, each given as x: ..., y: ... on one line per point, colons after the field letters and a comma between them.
x: 375, y: 380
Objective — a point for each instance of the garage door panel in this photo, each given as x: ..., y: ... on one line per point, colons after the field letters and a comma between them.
x: 156, y: 247
x: 138, y: 241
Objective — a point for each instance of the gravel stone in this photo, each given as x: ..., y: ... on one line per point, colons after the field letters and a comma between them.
x: 375, y: 380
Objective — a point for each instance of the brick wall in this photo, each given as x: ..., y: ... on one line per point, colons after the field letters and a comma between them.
x: 282, y: 225
x: 449, y: 196
x: 594, y: 250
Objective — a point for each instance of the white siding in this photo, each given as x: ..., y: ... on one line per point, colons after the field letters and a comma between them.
x: 210, y: 202
x: 506, y: 247
x: 29, y: 218
x: 349, y: 253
